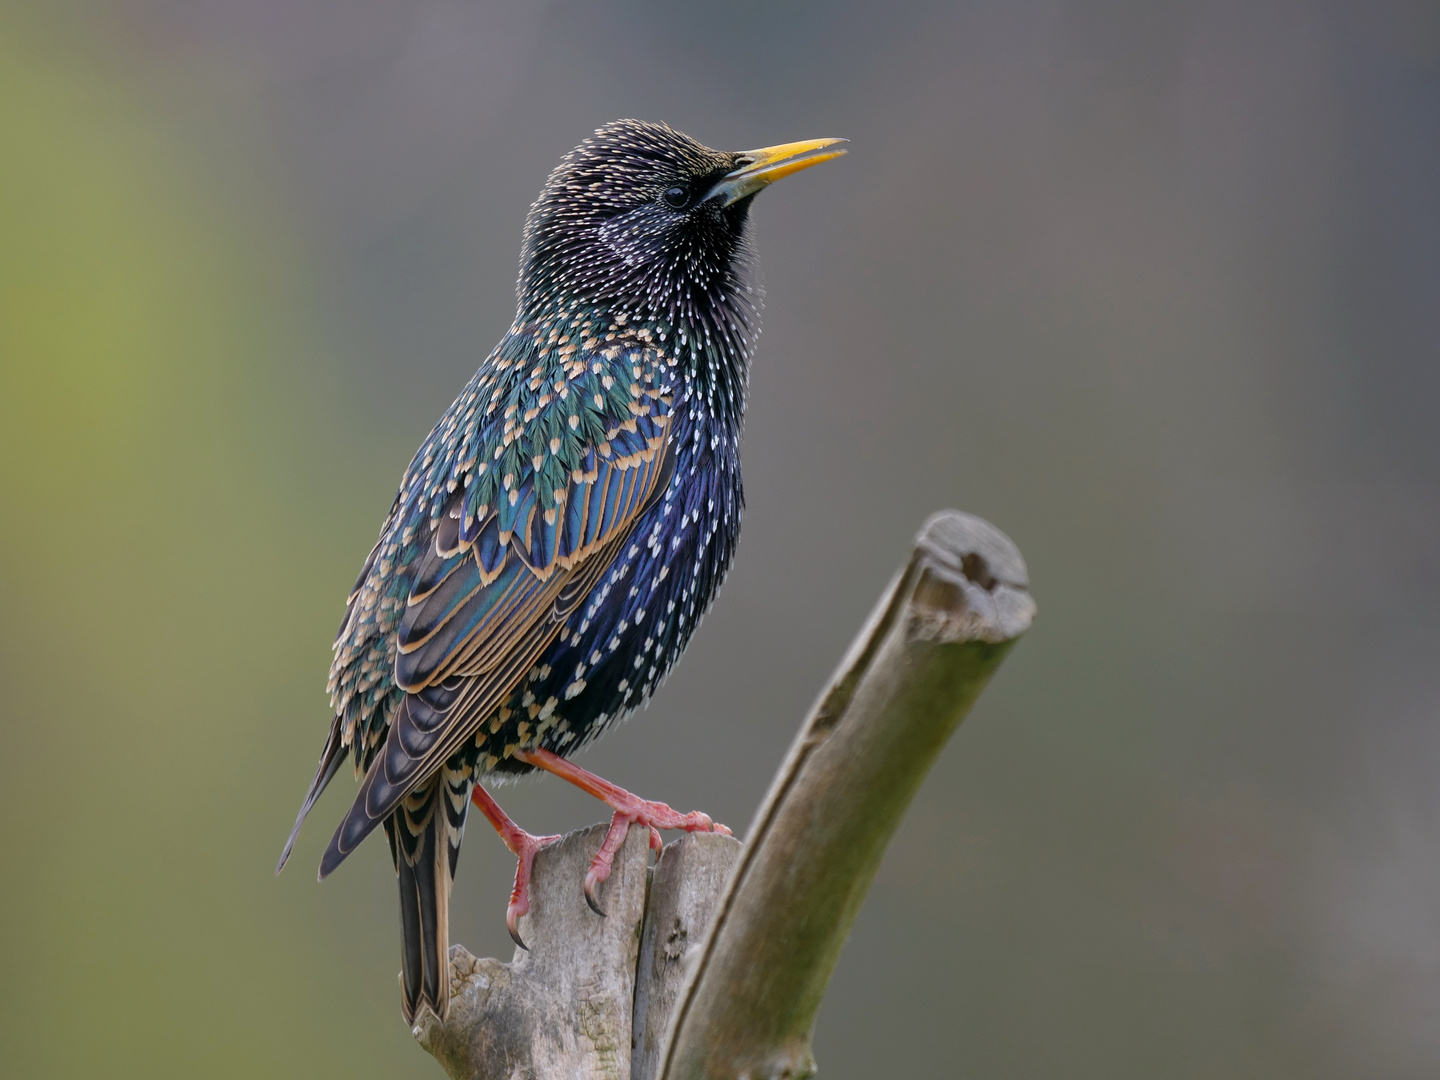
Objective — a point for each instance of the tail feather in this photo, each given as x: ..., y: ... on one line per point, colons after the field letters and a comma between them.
x: 425, y: 833
x: 331, y: 758
x: 412, y: 969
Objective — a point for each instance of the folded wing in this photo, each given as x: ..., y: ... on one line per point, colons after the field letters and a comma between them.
x: 511, y: 553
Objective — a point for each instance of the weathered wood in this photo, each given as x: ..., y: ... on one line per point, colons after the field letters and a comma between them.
x: 563, y: 1008
x: 685, y: 886
x: 745, y: 1000
x: 947, y: 620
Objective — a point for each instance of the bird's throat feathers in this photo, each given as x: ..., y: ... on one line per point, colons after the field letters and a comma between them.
x: 603, y: 246
x: 709, y: 331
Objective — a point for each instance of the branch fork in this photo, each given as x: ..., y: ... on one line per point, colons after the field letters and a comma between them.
x: 712, y: 964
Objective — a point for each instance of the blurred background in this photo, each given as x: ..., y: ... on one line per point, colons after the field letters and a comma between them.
x: 1154, y: 287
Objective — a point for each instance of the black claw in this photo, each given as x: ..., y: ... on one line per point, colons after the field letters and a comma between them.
x: 594, y: 904
x: 515, y: 937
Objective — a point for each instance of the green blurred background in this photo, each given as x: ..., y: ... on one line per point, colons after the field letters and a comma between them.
x: 1154, y: 287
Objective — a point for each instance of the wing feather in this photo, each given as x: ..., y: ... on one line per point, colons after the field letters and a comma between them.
x: 425, y: 733
x: 504, y: 562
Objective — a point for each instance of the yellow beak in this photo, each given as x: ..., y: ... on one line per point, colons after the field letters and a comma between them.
x: 761, y: 167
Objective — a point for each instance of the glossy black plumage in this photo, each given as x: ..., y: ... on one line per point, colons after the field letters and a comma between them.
x: 559, y: 534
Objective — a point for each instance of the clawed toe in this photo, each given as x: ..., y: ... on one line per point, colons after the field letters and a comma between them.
x: 524, y: 847
x: 519, y: 904
x: 629, y: 810
x: 653, y: 816
x: 512, y: 920
x: 592, y: 882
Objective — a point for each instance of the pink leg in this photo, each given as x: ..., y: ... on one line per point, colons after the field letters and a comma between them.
x: 629, y: 809
x: 523, y: 846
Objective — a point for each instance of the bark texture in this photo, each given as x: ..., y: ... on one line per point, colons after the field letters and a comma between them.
x: 716, y: 971
x: 947, y: 620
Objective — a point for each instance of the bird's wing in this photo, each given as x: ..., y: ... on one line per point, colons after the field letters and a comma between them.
x: 505, y: 562
x: 337, y: 745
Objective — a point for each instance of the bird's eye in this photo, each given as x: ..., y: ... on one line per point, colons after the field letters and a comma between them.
x: 677, y: 197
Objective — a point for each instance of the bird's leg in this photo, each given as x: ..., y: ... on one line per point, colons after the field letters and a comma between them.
x: 629, y: 809
x: 523, y: 846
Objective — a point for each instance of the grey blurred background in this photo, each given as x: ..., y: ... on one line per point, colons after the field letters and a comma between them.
x: 1154, y: 287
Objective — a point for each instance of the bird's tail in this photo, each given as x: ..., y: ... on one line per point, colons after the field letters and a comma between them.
x: 425, y: 833
x: 331, y: 758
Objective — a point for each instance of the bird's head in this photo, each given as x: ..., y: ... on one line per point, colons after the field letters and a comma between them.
x: 642, y: 220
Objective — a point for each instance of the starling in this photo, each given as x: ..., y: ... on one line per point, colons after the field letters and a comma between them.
x: 560, y: 533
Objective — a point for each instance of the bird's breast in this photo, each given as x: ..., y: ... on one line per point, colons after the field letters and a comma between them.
x: 628, y: 633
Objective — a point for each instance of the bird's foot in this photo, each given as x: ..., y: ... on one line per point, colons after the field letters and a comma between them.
x: 523, y: 846
x: 632, y: 810
x: 520, y: 895
x: 629, y: 810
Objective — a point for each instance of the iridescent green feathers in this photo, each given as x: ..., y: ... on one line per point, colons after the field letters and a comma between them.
x: 572, y: 398
x: 545, y: 459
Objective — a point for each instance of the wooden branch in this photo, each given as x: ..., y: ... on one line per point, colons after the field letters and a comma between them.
x: 571, y: 1007
x: 689, y: 880
x: 743, y: 1004
x: 563, y: 1008
x: 929, y: 648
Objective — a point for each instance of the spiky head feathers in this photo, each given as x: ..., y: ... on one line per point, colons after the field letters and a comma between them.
x: 624, y: 224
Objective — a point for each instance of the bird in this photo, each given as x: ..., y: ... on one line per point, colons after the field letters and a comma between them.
x: 559, y: 534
